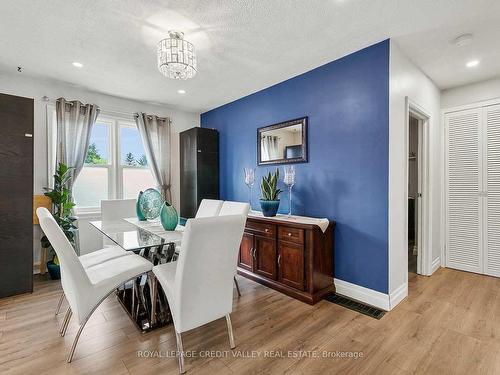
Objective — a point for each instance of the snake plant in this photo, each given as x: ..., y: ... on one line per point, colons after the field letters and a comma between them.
x: 268, y: 186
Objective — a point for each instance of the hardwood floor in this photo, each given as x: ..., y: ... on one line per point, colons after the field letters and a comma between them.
x: 449, y: 324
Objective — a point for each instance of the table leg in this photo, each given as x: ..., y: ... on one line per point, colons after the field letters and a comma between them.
x: 153, y: 287
x: 134, y: 291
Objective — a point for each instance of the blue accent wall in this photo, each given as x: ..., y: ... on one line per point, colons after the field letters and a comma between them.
x: 346, y: 178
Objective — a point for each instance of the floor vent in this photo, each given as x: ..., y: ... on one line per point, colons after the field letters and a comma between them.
x: 355, y: 306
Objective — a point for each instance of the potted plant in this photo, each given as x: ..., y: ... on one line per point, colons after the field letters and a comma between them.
x: 270, y: 194
x: 61, y: 210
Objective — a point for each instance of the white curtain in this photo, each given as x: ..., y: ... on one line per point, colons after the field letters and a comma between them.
x: 74, y: 127
x: 269, y: 147
x: 155, y: 134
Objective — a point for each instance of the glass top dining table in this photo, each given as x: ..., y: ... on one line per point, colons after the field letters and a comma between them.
x: 133, y: 235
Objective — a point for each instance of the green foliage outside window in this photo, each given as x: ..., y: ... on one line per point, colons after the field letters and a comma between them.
x: 93, y: 156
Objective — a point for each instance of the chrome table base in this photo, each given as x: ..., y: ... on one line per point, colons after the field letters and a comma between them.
x: 137, y: 296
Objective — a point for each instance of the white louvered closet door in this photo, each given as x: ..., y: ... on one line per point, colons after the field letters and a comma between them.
x: 492, y: 217
x: 464, y: 182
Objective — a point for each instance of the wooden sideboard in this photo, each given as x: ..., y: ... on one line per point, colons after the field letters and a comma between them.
x: 291, y: 257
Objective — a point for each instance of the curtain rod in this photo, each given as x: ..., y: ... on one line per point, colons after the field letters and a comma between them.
x: 109, y: 111
x: 71, y: 102
x: 150, y: 117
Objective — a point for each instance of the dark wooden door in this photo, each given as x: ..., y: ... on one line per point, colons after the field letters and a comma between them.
x: 265, y: 257
x: 246, y: 249
x: 291, y: 264
x: 16, y: 195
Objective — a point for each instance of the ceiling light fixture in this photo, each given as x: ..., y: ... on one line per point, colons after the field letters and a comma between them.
x: 176, y: 57
x: 472, y: 63
x: 181, y: 91
x: 78, y: 65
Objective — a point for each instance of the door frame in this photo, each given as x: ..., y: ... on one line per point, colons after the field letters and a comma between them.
x: 424, y: 259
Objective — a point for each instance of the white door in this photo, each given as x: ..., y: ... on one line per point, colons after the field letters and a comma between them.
x: 492, y: 191
x: 464, y: 181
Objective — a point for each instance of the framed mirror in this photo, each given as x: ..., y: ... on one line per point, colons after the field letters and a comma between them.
x: 282, y: 143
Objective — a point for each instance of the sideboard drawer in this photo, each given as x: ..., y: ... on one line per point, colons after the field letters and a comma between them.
x: 291, y: 234
x: 263, y: 229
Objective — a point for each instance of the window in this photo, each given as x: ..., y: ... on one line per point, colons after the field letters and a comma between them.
x: 115, y: 166
x: 92, y: 184
x: 135, y: 173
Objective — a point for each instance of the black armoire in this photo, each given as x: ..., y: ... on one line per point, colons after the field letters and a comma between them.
x: 199, y: 168
x: 16, y: 195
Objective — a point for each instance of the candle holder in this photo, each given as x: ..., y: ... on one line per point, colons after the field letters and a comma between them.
x: 289, y: 181
x: 249, y: 181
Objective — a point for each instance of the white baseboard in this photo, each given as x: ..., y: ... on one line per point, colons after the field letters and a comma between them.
x: 436, y: 263
x: 398, y: 295
x: 369, y: 296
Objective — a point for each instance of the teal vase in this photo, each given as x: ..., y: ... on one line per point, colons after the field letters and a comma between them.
x: 138, y: 211
x: 168, y: 216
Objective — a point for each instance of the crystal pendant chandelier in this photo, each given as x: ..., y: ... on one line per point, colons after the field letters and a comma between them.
x: 176, y: 57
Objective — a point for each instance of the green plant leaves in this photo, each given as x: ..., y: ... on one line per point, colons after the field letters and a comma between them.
x: 268, y: 186
x: 61, y: 203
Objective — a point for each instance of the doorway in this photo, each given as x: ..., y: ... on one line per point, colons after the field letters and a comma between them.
x: 417, y: 209
x: 414, y: 192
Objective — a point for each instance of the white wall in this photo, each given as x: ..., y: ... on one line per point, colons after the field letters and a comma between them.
x: 472, y: 93
x: 36, y: 88
x: 406, y: 80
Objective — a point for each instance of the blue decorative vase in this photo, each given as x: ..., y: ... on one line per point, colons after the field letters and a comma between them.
x: 138, y: 210
x: 269, y: 208
x: 168, y: 216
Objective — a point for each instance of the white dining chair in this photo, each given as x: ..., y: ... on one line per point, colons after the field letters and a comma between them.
x: 95, y: 258
x: 91, y: 259
x: 212, y: 207
x: 115, y: 209
x: 209, y: 208
x: 198, y: 285
x: 86, y: 288
x: 235, y: 208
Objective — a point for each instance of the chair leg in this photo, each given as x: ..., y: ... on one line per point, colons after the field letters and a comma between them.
x: 237, y: 286
x: 82, y: 326
x: 59, y: 304
x: 77, y: 337
x: 65, y: 322
x: 230, y: 332
x: 180, y: 349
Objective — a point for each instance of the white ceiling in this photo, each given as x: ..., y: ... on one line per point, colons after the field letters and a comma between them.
x: 242, y: 46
